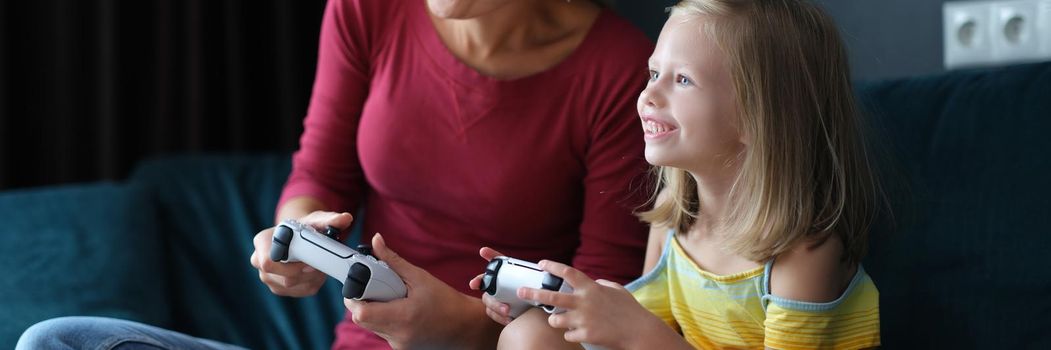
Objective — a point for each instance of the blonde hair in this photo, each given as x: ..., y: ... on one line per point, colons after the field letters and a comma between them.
x: 806, y: 174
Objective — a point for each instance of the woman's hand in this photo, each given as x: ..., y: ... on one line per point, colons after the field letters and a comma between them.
x: 433, y: 314
x: 496, y: 310
x: 294, y: 279
x: 600, y: 312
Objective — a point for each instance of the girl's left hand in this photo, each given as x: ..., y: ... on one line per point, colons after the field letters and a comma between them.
x: 597, y: 312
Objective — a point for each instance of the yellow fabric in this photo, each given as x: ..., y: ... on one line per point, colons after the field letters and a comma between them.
x: 737, y: 312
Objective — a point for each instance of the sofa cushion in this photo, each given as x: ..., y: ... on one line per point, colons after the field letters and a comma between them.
x: 79, y: 250
x: 966, y: 265
x: 210, y: 208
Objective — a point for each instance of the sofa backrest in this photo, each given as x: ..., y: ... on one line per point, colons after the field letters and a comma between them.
x: 966, y: 264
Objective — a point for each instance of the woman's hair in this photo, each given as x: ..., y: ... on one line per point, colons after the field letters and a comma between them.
x: 806, y: 174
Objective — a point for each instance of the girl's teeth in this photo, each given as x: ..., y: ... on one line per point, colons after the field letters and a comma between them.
x: 655, y: 128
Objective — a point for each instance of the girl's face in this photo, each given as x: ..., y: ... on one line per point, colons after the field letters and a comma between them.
x: 688, y: 110
x: 463, y: 9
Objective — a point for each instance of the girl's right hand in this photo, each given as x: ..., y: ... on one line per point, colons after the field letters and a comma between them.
x: 294, y: 279
x: 496, y: 310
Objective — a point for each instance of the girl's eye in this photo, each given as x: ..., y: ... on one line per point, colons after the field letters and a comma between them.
x: 683, y: 80
x: 653, y: 75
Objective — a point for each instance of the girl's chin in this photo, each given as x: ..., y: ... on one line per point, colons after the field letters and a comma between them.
x: 657, y: 158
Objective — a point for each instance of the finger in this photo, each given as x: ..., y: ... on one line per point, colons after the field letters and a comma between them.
x: 476, y: 282
x: 403, y: 268
x: 501, y: 309
x: 575, y: 278
x: 489, y: 253
x: 320, y: 219
x: 610, y: 284
x: 501, y: 319
x: 285, y: 282
x: 261, y: 242
x: 252, y: 259
x: 354, y: 307
x: 376, y: 312
x: 301, y: 290
x: 558, y: 321
x: 275, y: 284
x: 546, y: 297
x: 280, y: 268
x: 578, y: 335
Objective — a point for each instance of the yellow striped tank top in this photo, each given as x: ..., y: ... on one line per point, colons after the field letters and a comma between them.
x: 737, y: 311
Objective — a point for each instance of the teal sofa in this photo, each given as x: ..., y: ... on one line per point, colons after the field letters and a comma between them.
x: 961, y: 265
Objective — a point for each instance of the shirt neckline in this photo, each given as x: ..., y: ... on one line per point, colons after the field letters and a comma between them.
x: 730, y: 278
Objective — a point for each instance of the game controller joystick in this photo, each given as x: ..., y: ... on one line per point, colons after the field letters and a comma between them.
x: 504, y: 275
x: 363, y: 277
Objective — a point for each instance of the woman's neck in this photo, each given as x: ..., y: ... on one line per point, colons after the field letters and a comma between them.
x: 508, y: 28
x: 534, y: 34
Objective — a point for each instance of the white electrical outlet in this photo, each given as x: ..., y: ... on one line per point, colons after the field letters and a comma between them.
x: 981, y: 33
x: 1043, y: 27
x: 1015, y: 36
x: 966, y: 33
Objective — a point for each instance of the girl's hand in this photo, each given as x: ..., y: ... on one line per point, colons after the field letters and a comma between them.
x: 597, y: 312
x: 496, y: 310
x: 433, y: 314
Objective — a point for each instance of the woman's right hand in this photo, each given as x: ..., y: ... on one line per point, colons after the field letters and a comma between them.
x: 294, y: 279
x: 499, y: 312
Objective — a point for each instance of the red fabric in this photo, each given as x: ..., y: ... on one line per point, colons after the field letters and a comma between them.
x: 447, y: 160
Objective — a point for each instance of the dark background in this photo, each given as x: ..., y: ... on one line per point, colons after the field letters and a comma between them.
x: 90, y: 87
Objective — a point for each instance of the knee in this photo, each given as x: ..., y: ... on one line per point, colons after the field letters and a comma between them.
x: 531, y: 331
x: 56, y: 333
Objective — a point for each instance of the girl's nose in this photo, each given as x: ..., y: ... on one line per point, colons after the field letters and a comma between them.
x: 651, y: 97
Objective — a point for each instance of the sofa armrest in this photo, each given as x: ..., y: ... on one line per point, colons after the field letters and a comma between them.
x: 210, y: 207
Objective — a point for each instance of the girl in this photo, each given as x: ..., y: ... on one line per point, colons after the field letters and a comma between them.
x: 765, y: 200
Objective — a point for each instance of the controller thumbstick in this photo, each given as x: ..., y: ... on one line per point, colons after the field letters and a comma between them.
x: 279, y: 246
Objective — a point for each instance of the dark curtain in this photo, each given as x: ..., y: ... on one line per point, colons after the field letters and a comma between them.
x: 89, y: 87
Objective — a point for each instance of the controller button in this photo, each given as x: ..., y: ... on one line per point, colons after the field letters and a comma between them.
x: 489, y: 278
x: 489, y: 283
x: 332, y: 232
x: 279, y: 245
x: 365, y: 249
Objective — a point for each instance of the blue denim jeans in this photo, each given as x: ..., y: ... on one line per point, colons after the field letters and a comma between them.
x: 108, y: 333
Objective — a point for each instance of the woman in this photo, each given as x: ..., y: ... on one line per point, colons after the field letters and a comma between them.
x: 475, y: 121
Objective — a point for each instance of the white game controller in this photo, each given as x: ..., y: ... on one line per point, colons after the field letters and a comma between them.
x: 504, y: 275
x: 363, y: 277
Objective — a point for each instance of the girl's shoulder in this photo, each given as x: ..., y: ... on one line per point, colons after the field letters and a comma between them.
x: 812, y: 271
x: 655, y: 246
